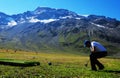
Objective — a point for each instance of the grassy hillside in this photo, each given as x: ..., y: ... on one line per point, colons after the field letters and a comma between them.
x: 74, y: 42
x: 63, y: 65
x: 68, y: 40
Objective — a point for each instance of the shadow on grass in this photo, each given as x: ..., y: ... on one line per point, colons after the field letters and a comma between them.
x: 111, y: 71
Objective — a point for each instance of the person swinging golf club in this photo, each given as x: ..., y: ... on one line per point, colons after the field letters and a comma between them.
x: 97, y: 51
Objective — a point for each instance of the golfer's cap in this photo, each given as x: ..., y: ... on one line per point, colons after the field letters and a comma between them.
x: 85, y: 42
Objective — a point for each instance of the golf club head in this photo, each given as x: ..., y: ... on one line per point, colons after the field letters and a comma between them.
x: 49, y: 63
x: 86, y: 65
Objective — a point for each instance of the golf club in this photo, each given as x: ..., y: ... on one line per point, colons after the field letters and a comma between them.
x: 49, y: 63
x: 89, y: 38
x: 86, y: 64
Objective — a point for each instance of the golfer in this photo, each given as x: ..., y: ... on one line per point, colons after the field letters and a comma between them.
x: 97, y: 51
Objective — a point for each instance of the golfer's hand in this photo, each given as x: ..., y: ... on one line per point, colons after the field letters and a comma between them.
x: 93, y: 49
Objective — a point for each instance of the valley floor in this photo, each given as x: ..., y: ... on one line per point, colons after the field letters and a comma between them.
x: 56, y: 65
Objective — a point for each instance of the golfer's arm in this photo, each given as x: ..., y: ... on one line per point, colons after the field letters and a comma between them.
x: 93, y: 49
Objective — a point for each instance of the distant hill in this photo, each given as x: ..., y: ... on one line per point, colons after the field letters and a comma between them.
x: 57, y: 29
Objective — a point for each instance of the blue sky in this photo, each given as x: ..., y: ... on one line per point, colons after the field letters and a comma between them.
x: 109, y: 8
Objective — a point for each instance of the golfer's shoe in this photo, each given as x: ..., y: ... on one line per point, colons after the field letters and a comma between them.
x: 101, y: 68
x: 94, y: 69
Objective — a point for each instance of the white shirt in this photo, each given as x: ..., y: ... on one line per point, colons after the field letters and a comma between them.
x: 99, y: 47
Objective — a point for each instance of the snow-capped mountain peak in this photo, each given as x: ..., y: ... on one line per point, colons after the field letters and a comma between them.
x: 41, y: 14
x: 47, y: 15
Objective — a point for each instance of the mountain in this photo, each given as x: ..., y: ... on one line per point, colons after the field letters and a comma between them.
x: 57, y: 29
x: 41, y: 14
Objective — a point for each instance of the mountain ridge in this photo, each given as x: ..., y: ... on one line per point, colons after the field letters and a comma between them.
x: 48, y: 28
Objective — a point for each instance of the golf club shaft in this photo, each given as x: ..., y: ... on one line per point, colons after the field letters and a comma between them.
x: 87, y: 63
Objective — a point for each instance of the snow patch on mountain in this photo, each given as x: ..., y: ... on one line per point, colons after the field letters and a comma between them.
x: 22, y: 20
x: 39, y: 12
x: 33, y: 20
x: 98, y: 25
x: 48, y: 20
x: 66, y: 17
x: 85, y: 15
x: 78, y: 18
x: 12, y: 23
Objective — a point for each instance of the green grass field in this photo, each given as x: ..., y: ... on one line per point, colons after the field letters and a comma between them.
x: 63, y: 66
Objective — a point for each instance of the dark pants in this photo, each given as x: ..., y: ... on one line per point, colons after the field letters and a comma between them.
x: 94, y: 61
